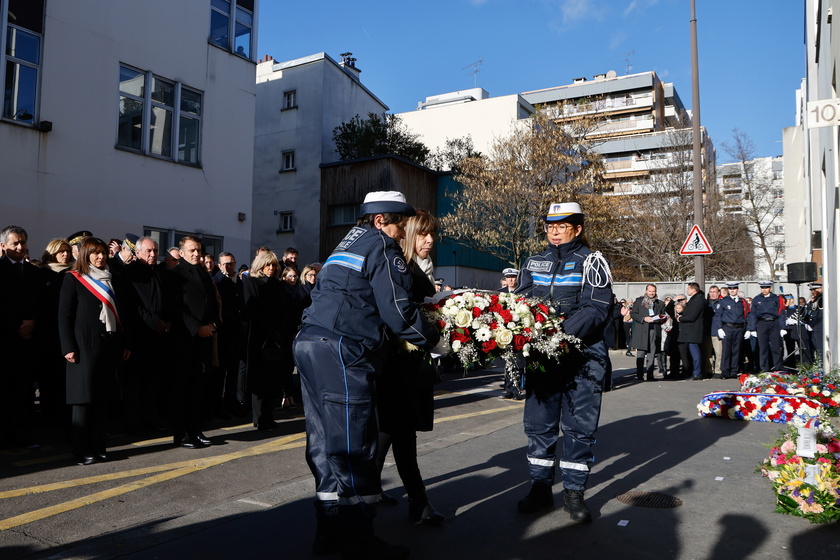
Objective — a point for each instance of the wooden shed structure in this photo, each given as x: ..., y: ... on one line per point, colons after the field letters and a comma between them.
x: 344, y: 185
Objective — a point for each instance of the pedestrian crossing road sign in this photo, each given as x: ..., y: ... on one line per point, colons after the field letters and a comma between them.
x: 696, y: 243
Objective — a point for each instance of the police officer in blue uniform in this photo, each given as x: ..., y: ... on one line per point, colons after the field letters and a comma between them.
x: 730, y: 323
x: 766, y: 323
x: 566, y: 394
x: 363, y: 293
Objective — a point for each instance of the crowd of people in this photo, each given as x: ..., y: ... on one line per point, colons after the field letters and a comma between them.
x: 696, y: 336
x: 109, y: 332
x: 178, y: 337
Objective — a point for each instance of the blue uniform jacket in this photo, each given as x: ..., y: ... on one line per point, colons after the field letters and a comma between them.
x: 556, y: 275
x: 364, y: 288
x: 764, y: 308
x: 727, y: 310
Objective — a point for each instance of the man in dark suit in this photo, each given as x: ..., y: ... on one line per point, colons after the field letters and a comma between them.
x: 150, y: 314
x: 231, y: 336
x: 21, y: 290
x: 692, y: 330
x: 194, y: 323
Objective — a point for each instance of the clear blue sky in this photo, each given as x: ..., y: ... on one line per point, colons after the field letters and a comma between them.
x: 752, y: 55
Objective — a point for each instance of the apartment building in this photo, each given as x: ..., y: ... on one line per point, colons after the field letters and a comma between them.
x: 755, y: 190
x: 299, y: 104
x: 643, y: 128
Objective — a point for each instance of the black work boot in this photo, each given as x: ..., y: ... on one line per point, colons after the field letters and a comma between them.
x: 640, y: 368
x: 574, y: 505
x: 650, y: 376
x: 327, y: 529
x: 539, y: 497
x: 358, y: 540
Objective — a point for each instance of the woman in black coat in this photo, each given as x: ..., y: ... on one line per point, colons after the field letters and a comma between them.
x: 57, y: 260
x: 692, y: 332
x: 93, y: 344
x: 405, y: 392
x: 268, y: 307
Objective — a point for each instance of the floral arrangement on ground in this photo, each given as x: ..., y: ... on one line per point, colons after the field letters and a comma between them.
x: 477, y: 324
x: 804, y: 468
x: 807, y: 398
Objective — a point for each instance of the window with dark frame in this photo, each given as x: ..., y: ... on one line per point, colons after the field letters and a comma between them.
x: 232, y: 19
x: 22, y: 35
x: 157, y: 114
x: 288, y: 161
x: 290, y: 99
x: 287, y: 222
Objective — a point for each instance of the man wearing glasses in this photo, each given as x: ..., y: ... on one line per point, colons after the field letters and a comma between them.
x: 566, y: 395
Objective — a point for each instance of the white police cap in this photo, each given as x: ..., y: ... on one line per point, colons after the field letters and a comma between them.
x: 383, y: 202
x: 510, y: 272
x: 568, y: 211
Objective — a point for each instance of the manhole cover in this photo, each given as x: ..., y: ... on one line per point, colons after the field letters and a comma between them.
x: 649, y: 499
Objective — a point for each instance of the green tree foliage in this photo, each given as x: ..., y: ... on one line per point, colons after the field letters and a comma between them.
x: 378, y: 135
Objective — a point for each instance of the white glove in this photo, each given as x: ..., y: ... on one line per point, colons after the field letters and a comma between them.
x: 721, y: 334
x: 790, y: 321
x: 746, y: 335
x: 754, y: 334
x: 783, y: 332
x: 808, y: 328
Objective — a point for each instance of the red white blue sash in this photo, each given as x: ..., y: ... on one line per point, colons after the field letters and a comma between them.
x: 100, y: 291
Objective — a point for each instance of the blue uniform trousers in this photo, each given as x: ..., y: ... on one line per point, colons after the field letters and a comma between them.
x: 730, y: 360
x: 769, y: 345
x: 567, y: 396
x: 337, y: 376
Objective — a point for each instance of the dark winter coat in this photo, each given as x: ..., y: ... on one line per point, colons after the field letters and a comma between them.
x: 93, y: 378
x: 641, y: 329
x: 691, y: 320
x: 405, y: 390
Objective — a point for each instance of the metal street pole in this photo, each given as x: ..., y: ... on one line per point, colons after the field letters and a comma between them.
x: 699, y: 262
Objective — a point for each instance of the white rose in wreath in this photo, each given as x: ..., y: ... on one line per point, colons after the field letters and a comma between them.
x: 504, y: 337
x: 463, y: 318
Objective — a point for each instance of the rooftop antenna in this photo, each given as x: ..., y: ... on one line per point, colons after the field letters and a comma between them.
x: 474, y: 70
x: 629, y: 66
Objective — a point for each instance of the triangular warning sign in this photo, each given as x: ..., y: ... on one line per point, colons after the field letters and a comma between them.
x: 696, y: 243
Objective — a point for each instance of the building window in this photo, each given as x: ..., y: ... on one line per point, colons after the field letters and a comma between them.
x: 290, y: 99
x: 22, y: 36
x: 232, y: 18
x: 344, y: 214
x: 288, y: 161
x: 157, y: 114
x: 167, y: 238
x: 287, y: 222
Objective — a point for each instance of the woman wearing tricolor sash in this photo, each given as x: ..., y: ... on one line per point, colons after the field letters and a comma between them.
x: 93, y: 344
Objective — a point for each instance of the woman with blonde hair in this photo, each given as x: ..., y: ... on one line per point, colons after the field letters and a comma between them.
x: 57, y: 260
x: 267, y: 312
x: 405, y: 390
x: 308, y: 277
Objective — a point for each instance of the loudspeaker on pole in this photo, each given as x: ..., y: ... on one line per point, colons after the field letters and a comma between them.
x: 802, y: 272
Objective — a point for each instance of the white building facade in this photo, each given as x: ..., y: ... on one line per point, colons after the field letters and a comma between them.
x: 128, y: 118
x: 299, y: 104
x: 813, y: 152
x: 470, y: 113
